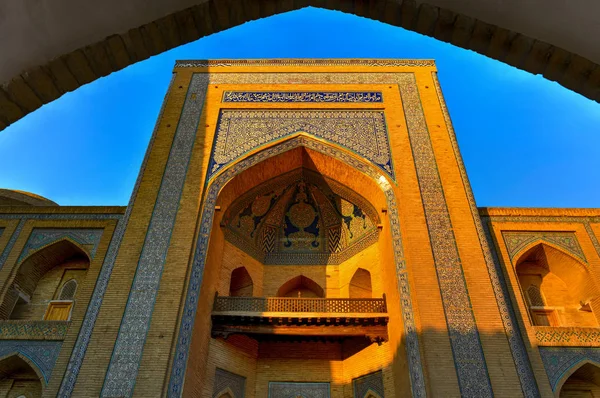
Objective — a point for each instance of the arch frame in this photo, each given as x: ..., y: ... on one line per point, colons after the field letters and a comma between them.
x: 574, y: 367
x: 32, y: 364
x: 210, y: 195
x: 39, y: 84
x: 516, y: 257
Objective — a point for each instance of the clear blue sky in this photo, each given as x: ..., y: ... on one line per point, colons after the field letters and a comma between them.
x: 526, y: 141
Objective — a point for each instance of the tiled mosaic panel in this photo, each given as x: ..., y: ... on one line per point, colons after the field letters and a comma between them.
x: 124, y: 364
x: 547, y: 335
x: 240, y: 131
x: 301, y: 218
x: 189, y: 311
x: 298, y: 390
x: 200, y: 63
x: 558, y: 361
x: 517, y: 241
x: 515, y: 339
x: 34, y: 330
x: 11, y: 243
x: 302, y: 96
x: 464, y: 336
x: 372, y: 382
x: 40, y: 237
x: 229, y: 382
x: 42, y: 353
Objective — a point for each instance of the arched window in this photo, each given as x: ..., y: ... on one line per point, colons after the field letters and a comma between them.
x: 241, y: 284
x: 535, y: 296
x: 360, y: 284
x: 301, y: 286
x: 35, y: 282
x: 68, y: 290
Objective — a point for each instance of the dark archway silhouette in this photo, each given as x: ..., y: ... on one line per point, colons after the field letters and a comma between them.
x: 20, y: 378
x: 241, y: 284
x: 301, y: 286
x: 360, y: 284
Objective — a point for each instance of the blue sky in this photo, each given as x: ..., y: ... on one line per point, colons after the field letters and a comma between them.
x: 526, y: 141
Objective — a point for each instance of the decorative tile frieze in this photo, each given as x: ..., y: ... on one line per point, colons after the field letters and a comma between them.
x: 560, y: 361
x: 240, y: 131
x: 87, y: 327
x: 189, y: 312
x: 294, y: 390
x: 464, y: 337
x: 124, y: 364
x: 229, y: 382
x: 42, y: 354
x: 366, y: 384
x: 303, y: 62
x: 33, y: 330
x: 515, y: 339
x: 303, y: 96
x: 517, y: 241
x: 565, y: 336
x: 11, y: 243
x: 42, y: 237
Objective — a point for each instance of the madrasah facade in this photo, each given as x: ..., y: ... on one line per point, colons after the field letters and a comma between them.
x: 299, y: 228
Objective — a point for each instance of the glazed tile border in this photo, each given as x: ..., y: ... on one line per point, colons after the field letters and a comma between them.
x: 466, y: 346
x: 127, y: 354
x: 87, y: 327
x: 34, y: 330
x: 41, y: 237
x: 517, y: 240
x: 291, y: 389
x: 558, y: 361
x: 302, y: 96
x: 371, y: 382
x: 189, y: 311
x: 306, y: 62
x: 11, y: 242
x: 579, y: 337
x: 515, y: 339
x: 42, y: 353
x: 239, y: 131
x: 227, y: 381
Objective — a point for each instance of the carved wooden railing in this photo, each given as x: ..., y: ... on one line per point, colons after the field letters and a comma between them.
x: 287, y: 304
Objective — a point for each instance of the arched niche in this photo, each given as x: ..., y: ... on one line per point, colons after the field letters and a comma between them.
x: 40, y: 279
x: 18, y: 377
x: 360, y: 284
x: 241, y: 284
x: 583, y: 381
x: 557, y: 288
x: 300, y: 286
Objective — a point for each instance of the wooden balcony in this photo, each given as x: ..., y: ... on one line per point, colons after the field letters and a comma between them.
x: 320, y: 318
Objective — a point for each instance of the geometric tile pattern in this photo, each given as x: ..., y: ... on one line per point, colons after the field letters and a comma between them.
x: 195, y: 63
x: 517, y: 241
x: 301, y: 217
x: 41, y: 237
x: 560, y: 360
x: 298, y: 390
x: 240, y: 131
x: 42, y: 353
x: 195, y: 280
x: 127, y: 353
x: 371, y: 382
x: 225, y: 380
x: 34, y: 330
x: 509, y: 319
x: 567, y: 336
x: 11, y: 243
x: 301, y: 96
x: 470, y: 363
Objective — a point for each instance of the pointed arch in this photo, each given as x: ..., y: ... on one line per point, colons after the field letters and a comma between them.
x: 211, y: 194
x: 360, y: 284
x: 16, y: 365
x: 241, y: 284
x: 594, y: 367
x: 225, y: 393
x: 556, y: 286
x: 526, y: 250
x: 372, y: 394
x: 300, y: 286
x: 29, y: 272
